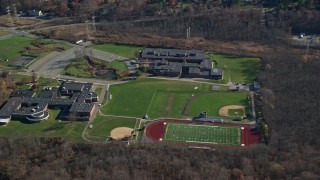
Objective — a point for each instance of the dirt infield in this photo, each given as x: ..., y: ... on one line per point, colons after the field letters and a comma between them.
x: 121, y: 133
x: 224, y: 110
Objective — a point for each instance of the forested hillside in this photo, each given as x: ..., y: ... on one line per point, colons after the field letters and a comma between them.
x: 56, y: 159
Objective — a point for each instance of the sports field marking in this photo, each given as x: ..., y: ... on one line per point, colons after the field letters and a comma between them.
x: 154, y: 92
x: 203, y: 134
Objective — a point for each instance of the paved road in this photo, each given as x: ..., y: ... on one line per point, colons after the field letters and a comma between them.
x: 41, y: 62
x: 53, y: 64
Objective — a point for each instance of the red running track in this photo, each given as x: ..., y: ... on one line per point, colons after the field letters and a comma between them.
x: 156, y: 130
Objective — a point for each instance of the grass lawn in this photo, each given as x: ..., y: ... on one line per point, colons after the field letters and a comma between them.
x: 236, y: 68
x: 163, y: 98
x: 78, y: 69
x: 45, y: 82
x: 157, y: 98
x: 20, y: 77
x: 120, y: 50
x: 168, y: 104
x: 98, y: 90
x: 119, y: 66
x: 211, y: 103
x: 11, y: 48
x: 49, y: 128
x: 203, y: 134
x: 103, y: 125
x: 42, y: 82
x: 83, y: 69
x: 14, y: 47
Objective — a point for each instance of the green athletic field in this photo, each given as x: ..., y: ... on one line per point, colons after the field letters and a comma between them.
x: 203, y: 134
x: 163, y: 98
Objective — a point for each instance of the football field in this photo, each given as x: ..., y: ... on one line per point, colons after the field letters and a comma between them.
x: 192, y: 133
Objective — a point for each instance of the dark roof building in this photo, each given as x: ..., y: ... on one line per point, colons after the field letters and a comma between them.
x: 77, y: 98
x: 173, y: 54
x: 73, y: 87
x: 23, y: 93
x: 180, y: 63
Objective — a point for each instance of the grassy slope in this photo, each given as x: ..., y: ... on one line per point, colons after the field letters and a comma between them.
x: 119, y: 66
x: 238, y: 69
x: 120, y: 50
x: 81, y: 68
x: 48, y: 128
x: 102, y: 126
x: 98, y: 90
x: 10, y: 48
x: 14, y: 47
x: 211, y: 103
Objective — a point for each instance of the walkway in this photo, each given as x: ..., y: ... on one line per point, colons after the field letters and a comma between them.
x: 188, y: 80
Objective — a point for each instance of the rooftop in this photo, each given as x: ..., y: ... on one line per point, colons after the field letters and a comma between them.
x: 23, y: 104
x: 76, y: 87
x: 159, y: 53
x: 23, y: 93
x: 81, y: 107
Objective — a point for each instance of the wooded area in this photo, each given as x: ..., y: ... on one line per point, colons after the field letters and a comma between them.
x: 55, y: 159
x: 290, y: 104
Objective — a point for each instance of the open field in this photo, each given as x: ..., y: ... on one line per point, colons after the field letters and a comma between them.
x: 236, y: 68
x: 162, y: 98
x: 139, y: 97
x: 120, y: 50
x: 211, y: 103
x: 203, y: 134
x: 103, y: 125
x: 49, y: 128
x: 11, y: 48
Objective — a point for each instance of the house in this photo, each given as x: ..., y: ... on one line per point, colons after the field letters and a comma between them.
x: 74, y: 99
x: 179, y: 63
x: 34, y: 13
